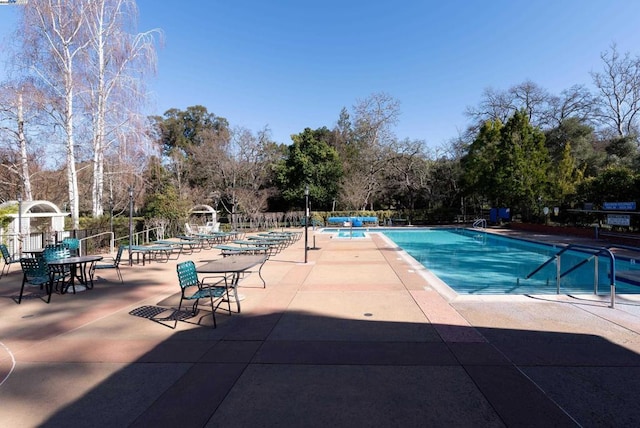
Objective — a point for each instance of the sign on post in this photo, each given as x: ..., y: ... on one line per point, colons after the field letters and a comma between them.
x: 618, y: 219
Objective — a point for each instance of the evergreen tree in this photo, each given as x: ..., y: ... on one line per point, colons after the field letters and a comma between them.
x: 310, y: 161
x: 522, y: 171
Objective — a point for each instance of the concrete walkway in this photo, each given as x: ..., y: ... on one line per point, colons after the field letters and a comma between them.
x: 358, y: 336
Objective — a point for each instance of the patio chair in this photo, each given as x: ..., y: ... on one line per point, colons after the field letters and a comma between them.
x: 54, y: 253
x: 188, y: 279
x: 34, y: 272
x: 73, y: 244
x: 8, y: 260
x: 59, y: 273
x: 111, y: 263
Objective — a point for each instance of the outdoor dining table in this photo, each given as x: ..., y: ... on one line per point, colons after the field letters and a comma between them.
x: 234, y: 267
x: 34, y: 252
x: 77, y: 266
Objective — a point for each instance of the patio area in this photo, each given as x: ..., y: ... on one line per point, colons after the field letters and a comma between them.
x: 355, y: 337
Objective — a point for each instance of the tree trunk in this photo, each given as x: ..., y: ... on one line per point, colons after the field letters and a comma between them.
x: 24, y: 165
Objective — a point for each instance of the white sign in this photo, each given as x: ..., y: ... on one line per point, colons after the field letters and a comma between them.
x: 618, y: 220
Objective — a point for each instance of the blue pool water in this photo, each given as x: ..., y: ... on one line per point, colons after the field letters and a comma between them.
x: 347, y: 233
x: 475, y: 262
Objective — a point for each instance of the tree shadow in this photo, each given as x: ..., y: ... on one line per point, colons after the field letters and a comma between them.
x: 304, y: 369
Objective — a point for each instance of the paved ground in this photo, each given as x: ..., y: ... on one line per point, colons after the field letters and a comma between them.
x: 358, y: 336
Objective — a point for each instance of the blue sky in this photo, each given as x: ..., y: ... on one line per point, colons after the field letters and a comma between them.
x: 295, y: 64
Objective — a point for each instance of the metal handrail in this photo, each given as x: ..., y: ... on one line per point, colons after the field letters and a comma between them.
x: 480, y: 223
x: 111, y: 241
x: 138, y: 237
x: 623, y: 247
x: 595, y: 251
x: 144, y: 237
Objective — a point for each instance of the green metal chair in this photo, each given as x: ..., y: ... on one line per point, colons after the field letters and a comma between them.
x: 34, y: 272
x: 111, y: 262
x: 8, y: 260
x: 58, y: 274
x: 188, y: 280
x: 55, y: 253
x: 73, y: 244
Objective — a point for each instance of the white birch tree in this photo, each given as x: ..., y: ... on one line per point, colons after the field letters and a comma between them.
x: 15, y: 98
x: 53, y: 42
x: 116, y: 61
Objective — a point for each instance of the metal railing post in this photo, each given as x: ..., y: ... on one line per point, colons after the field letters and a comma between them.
x: 558, y: 274
x: 596, y: 280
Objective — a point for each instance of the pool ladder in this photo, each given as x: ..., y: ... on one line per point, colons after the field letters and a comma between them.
x: 595, y: 252
x: 480, y: 223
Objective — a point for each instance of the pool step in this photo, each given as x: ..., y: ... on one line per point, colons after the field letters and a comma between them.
x: 630, y: 276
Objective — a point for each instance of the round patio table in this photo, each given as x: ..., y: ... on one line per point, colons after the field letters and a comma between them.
x: 77, y: 266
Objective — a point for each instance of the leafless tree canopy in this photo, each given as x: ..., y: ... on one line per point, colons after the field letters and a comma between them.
x: 83, y: 67
x: 618, y: 86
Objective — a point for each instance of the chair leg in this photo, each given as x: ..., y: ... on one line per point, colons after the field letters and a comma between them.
x: 213, y: 311
x: 49, y: 288
x: 21, y: 290
x: 177, y: 314
x: 119, y: 274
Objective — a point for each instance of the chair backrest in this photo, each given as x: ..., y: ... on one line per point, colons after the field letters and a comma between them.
x: 34, y: 267
x: 54, y: 246
x: 73, y: 244
x: 116, y: 260
x: 5, y: 253
x: 187, y: 275
x: 55, y: 253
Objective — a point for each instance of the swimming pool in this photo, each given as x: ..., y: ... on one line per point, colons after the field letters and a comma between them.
x: 476, y: 262
x: 349, y: 233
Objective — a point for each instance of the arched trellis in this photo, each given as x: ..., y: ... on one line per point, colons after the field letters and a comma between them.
x: 206, y: 218
x: 33, y: 216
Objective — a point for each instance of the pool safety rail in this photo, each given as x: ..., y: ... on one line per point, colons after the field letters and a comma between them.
x: 353, y: 221
x: 595, y: 252
x: 480, y: 223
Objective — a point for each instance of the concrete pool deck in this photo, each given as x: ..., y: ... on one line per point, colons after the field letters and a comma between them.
x: 355, y: 337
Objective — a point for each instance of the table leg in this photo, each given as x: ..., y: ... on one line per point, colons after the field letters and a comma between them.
x: 82, y: 275
x: 264, y: 283
x: 72, y: 275
x: 88, y: 276
x: 49, y: 286
x: 234, y: 284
